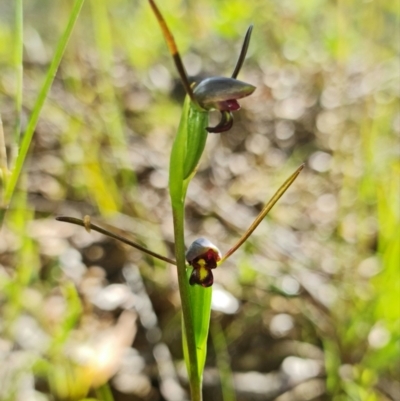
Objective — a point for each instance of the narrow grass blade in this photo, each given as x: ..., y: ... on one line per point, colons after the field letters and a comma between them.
x: 3, y: 160
x: 223, y: 361
x: 26, y: 141
x: 18, y: 63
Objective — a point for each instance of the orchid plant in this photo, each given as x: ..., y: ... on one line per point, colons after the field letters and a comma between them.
x: 195, y: 264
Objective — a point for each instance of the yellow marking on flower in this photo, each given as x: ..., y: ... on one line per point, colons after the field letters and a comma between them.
x: 201, y: 262
x: 203, y: 272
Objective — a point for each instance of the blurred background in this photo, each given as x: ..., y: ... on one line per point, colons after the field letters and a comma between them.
x: 309, y: 308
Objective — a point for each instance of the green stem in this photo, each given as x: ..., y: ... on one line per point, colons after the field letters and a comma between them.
x: 194, y: 374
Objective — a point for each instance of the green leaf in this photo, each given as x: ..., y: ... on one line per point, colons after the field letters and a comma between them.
x: 200, y: 303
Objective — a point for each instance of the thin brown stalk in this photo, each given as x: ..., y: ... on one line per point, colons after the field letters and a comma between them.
x: 85, y: 223
x: 263, y: 213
